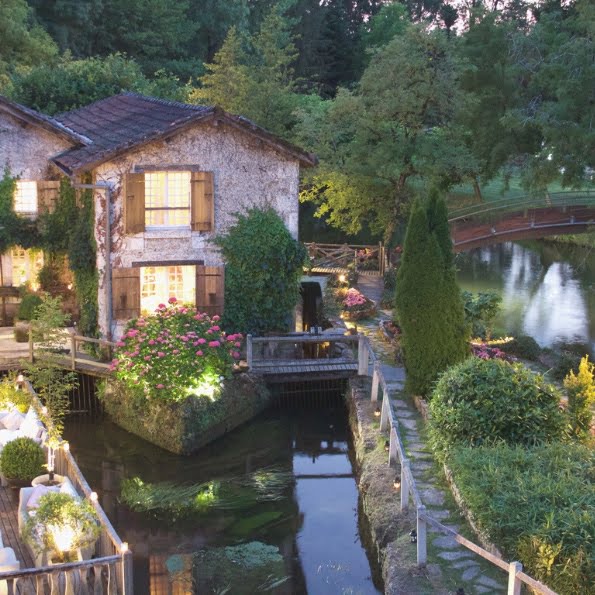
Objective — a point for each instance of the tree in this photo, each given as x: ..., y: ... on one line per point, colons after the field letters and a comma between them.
x: 22, y: 42
x: 428, y: 304
x: 398, y: 125
x: 263, y: 266
x: 253, y: 76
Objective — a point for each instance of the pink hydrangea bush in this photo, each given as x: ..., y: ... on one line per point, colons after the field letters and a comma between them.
x: 487, y: 351
x: 354, y: 298
x: 175, y: 353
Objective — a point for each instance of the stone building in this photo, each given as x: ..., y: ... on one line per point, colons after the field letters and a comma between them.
x: 167, y: 177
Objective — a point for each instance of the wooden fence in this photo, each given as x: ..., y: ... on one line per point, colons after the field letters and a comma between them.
x: 409, y: 492
x: 108, y: 573
x: 338, y: 257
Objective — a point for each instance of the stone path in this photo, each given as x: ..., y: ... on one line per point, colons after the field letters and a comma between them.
x: 451, y: 560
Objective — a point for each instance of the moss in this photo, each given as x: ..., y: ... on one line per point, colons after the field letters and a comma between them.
x: 184, y: 427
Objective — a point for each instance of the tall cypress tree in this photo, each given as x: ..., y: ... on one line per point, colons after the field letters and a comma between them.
x: 428, y: 301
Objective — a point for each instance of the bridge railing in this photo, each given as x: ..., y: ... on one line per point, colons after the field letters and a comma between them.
x: 409, y: 492
x: 300, y: 349
x: 493, y: 209
x: 362, y: 257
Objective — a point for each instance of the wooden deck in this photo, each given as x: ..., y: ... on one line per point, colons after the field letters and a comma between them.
x: 9, y: 503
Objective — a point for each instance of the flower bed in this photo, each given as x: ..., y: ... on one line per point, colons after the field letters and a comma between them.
x: 356, y: 305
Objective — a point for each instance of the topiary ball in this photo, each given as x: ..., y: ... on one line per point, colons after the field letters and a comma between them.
x: 481, y: 402
x: 22, y: 459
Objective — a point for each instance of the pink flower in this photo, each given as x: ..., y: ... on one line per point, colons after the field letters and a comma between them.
x: 199, y: 353
x: 236, y: 355
x: 151, y: 342
x: 214, y: 344
x: 216, y: 317
x: 160, y: 386
x: 184, y: 339
x: 120, y: 344
x: 237, y: 344
x: 161, y: 307
x: 215, y: 328
x: 172, y: 300
x: 201, y: 341
x: 161, y: 354
x: 176, y: 351
x: 147, y: 358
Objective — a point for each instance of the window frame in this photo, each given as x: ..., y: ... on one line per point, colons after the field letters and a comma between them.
x: 19, y: 188
x: 166, y: 199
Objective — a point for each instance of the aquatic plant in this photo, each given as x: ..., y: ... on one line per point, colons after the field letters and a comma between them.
x: 175, y: 501
x: 175, y: 353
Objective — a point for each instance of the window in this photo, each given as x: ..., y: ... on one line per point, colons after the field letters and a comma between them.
x: 158, y: 284
x: 25, y: 197
x: 26, y: 265
x: 167, y: 199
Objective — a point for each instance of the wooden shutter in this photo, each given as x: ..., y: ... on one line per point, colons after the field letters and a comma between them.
x: 202, y: 203
x: 126, y: 293
x: 134, y: 203
x: 47, y: 195
x: 210, y: 289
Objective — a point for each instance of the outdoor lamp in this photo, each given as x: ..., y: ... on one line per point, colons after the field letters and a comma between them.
x: 397, y: 482
x: 377, y: 412
x: 93, y: 496
x: 413, y: 536
x: 386, y: 445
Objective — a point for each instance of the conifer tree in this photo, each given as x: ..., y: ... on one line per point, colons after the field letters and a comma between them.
x: 428, y: 302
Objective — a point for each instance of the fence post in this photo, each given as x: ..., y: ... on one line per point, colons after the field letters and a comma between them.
x: 249, y: 352
x: 404, y: 484
x: 384, y: 413
x: 31, y: 357
x: 392, y: 447
x: 73, y: 351
x: 514, y: 583
x: 375, y: 381
x: 362, y: 355
x: 422, y: 527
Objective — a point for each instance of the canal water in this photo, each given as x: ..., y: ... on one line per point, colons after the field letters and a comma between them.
x: 304, y: 521
x: 547, y: 289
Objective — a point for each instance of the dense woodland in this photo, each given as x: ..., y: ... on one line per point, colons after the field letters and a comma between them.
x: 393, y: 97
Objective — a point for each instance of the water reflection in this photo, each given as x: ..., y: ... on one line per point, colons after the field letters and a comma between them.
x: 546, y: 289
x: 314, y: 525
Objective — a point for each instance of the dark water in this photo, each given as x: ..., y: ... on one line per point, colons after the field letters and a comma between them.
x: 315, y: 523
x: 548, y: 290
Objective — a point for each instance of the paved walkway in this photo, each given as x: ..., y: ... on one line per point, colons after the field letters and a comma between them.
x: 458, y: 566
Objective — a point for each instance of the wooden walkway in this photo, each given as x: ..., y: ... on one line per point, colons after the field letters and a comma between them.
x: 9, y: 503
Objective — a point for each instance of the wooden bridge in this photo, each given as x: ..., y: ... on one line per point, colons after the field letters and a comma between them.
x: 526, y: 217
x: 366, y: 259
x: 294, y: 356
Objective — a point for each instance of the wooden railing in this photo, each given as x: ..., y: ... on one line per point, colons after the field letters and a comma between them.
x: 409, y: 492
x: 109, y: 572
x: 76, y: 358
x: 306, y: 353
x: 341, y: 256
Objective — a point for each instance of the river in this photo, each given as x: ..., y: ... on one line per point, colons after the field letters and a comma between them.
x: 547, y: 289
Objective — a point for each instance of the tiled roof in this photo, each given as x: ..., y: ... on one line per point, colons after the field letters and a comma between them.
x: 39, y: 119
x: 119, y: 123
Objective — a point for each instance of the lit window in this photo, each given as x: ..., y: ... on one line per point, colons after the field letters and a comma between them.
x: 167, y: 199
x: 26, y: 265
x: 158, y: 284
x: 25, y: 197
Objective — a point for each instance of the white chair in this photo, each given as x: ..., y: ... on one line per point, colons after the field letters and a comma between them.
x: 8, y: 563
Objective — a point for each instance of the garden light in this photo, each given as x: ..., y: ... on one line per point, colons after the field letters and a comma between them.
x: 65, y: 446
x: 377, y: 412
x: 397, y: 482
x: 386, y: 445
x: 413, y: 536
x: 93, y: 496
x: 124, y: 547
x: 342, y: 279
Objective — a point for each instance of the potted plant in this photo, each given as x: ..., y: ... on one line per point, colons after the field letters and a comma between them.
x: 63, y: 526
x: 21, y: 460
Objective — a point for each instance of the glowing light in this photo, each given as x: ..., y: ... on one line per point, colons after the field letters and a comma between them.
x: 66, y: 446
x: 377, y: 412
x: 342, y: 279
x: 20, y: 379
x: 397, y: 482
x: 93, y: 496
x: 63, y: 536
x: 69, y: 286
x: 44, y: 410
x: 124, y: 547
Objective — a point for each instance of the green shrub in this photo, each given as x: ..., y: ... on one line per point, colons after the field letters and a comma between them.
x: 263, y: 266
x: 485, y: 401
x: 580, y: 388
x: 22, y: 459
x: 537, y: 505
x: 565, y: 362
x: 523, y: 346
x: 29, y: 302
x: 480, y: 311
x: 11, y: 396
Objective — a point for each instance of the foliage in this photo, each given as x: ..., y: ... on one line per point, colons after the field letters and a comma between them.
x: 538, y: 505
x: 29, y: 303
x: 479, y: 402
x: 480, y: 311
x: 354, y: 304
x: 262, y: 272
x: 178, y: 502
x: 489, y: 350
x: 11, y: 396
x: 580, y: 389
x: 62, y: 524
x: 22, y: 459
x: 175, y: 353
x: 428, y: 306
x: 523, y: 346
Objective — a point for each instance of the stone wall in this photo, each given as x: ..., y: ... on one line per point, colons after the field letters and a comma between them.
x: 247, y: 173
